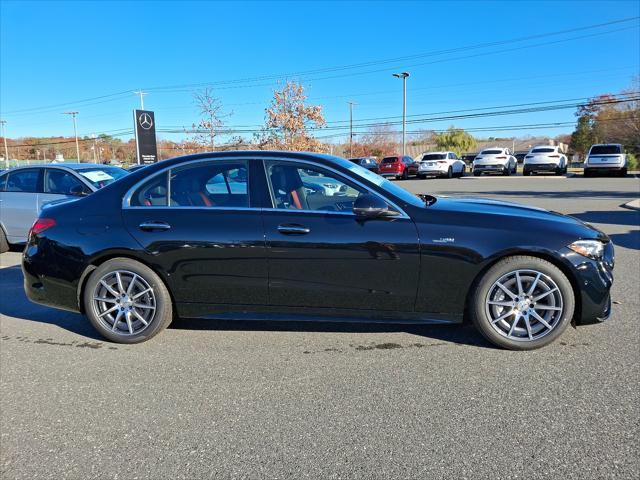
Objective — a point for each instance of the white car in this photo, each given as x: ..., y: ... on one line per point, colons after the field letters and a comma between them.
x: 606, y: 158
x: 440, y: 164
x: 495, y: 160
x: 545, y: 158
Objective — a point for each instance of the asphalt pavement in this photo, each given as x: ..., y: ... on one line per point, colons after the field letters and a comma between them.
x: 298, y: 400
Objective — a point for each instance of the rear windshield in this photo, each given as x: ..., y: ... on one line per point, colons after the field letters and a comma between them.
x: 390, y: 160
x: 543, y: 150
x: 434, y: 156
x: 102, y: 176
x: 491, y: 152
x: 605, y: 150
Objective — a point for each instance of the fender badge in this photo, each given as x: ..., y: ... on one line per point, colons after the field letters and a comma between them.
x: 444, y: 240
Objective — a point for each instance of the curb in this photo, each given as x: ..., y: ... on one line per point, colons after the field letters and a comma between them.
x: 633, y: 204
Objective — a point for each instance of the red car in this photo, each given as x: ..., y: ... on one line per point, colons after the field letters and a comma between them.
x: 399, y: 167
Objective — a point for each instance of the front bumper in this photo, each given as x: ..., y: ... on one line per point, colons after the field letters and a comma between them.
x: 593, y: 279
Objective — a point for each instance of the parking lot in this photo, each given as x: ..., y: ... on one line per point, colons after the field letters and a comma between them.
x: 279, y: 400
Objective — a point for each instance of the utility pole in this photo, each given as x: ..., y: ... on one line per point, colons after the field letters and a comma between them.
x: 95, y: 148
x: 75, y: 132
x: 141, y: 94
x: 351, y: 104
x: 6, y: 149
x: 403, y: 76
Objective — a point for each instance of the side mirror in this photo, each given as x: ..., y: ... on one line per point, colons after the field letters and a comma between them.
x: 78, y: 191
x: 372, y: 206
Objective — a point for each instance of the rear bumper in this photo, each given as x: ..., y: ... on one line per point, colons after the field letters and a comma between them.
x: 489, y: 168
x: 540, y: 167
x: 432, y: 171
x: 604, y: 168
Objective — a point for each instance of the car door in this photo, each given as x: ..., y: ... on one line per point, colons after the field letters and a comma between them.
x: 19, y: 202
x: 320, y: 255
x: 198, y: 223
x: 59, y: 184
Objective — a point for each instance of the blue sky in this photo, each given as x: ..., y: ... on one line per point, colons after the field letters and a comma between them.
x: 60, y: 52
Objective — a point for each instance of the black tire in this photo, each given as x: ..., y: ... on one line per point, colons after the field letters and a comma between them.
x: 450, y: 172
x: 476, y: 173
x: 507, y: 171
x: 587, y: 173
x: 623, y: 172
x: 526, y: 173
x: 405, y: 174
x: 163, y: 307
x: 482, y: 321
x: 422, y: 177
x: 558, y: 171
x: 4, y: 243
x: 462, y: 172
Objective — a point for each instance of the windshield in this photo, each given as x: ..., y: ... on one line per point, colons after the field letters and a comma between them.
x: 605, y: 150
x: 543, y: 150
x: 491, y: 152
x: 381, y: 182
x: 102, y: 176
x: 434, y: 156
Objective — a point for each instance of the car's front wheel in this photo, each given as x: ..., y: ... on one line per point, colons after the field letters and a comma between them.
x: 4, y: 243
x: 126, y: 301
x: 522, y: 303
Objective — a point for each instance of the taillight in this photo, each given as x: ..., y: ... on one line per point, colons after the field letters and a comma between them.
x: 442, y: 162
x: 554, y: 156
x: 501, y: 158
x: 528, y: 156
x: 40, y: 225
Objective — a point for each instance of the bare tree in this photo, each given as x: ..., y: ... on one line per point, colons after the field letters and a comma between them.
x: 212, y: 118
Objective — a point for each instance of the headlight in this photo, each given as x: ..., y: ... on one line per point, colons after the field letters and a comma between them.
x: 588, y: 248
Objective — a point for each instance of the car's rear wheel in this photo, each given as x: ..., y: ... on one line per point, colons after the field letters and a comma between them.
x: 523, y: 303
x: 506, y: 171
x: 476, y: 173
x: 526, y: 172
x: 126, y: 301
x: 405, y: 174
x: 4, y: 243
x: 450, y: 172
x: 623, y: 172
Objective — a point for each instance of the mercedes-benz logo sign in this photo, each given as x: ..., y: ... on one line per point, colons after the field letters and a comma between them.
x: 145, y: 121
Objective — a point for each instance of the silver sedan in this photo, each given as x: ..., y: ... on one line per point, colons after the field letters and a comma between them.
x: 24, y: 191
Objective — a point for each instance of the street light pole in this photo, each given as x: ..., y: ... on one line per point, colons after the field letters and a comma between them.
x: 403, y: 76
x: 6, y: 149
x: 351, y: 104
x: 75, y: 132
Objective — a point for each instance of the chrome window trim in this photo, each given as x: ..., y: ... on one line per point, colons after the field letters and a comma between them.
x: 126, y: 200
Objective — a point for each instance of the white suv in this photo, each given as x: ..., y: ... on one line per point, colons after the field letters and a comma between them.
x: 545, y: 158
x: 440, y: 164
x: 606, y: 158
x: 495, y: 160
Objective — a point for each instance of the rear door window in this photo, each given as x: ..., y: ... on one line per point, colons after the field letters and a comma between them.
x: 210, y: 185
x: 23, y: 181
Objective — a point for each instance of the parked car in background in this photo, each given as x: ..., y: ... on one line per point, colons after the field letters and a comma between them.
x: 440, y: 164
x: 370, y: 163
x: 545, y: 158
x: 468, y: 158
x: 273, y: 250
x: 520, y: 156
x: 495, y: 160
x: 24, y: 191
x: 606, y: 158
x: 398, y: 167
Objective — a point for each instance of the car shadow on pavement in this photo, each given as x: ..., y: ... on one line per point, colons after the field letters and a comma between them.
x: 464, y: 334
x: 14, y: 303
x: 607, y: 217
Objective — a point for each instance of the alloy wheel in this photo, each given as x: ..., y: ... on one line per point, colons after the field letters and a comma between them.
x: 524, y: 305
x: 124, y: 302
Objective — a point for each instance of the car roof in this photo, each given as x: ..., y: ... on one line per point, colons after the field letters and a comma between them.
x: 606, y: 145
x: 69, y: 166
x: 493, y: 148
x: 438, y: 152
x: 545, y: 146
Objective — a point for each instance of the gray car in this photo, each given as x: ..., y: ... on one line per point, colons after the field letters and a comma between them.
x: 24, y: 191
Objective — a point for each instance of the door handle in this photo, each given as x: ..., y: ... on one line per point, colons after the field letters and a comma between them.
x: 150, y: 226
x: 293, y: 229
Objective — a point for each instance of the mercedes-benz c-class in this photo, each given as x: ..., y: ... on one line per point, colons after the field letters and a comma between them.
x: 260, y: 235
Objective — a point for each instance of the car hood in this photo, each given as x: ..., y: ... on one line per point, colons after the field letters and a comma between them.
x: 514, y: 213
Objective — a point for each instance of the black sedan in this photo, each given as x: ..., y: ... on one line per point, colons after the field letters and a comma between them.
x: 239, y: 235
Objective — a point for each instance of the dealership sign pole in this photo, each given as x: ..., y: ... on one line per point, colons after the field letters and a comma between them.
x: 146, y: 147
